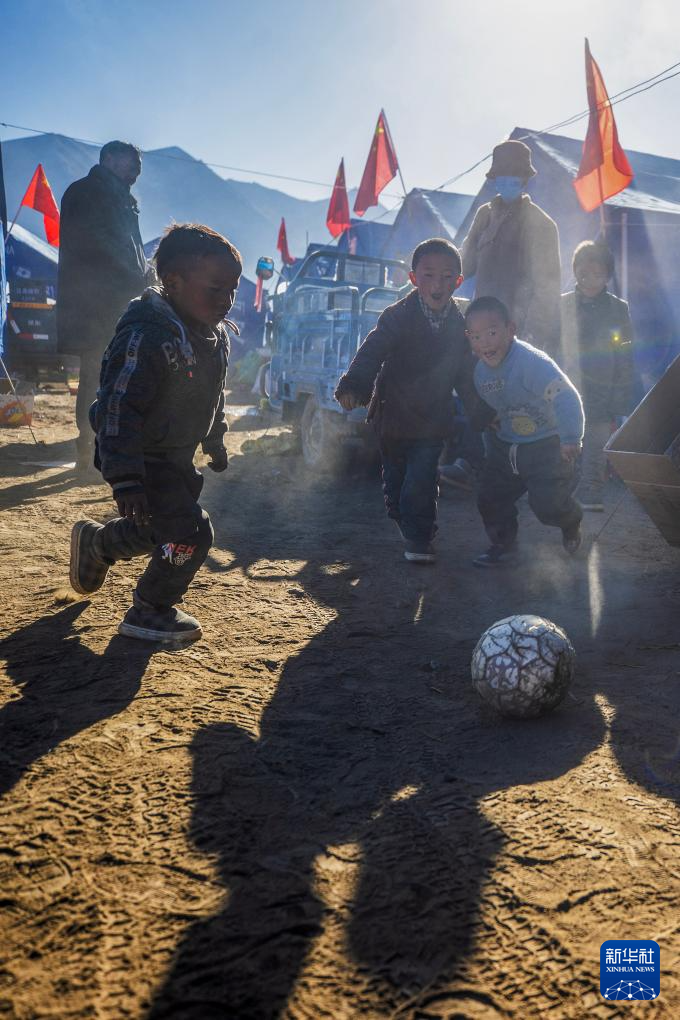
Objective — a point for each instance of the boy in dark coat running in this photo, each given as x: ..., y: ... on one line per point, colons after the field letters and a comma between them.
x: 407, y: 369
x: 161, y: 394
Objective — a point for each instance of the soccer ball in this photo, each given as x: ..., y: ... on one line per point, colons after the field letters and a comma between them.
x: 523, y: 666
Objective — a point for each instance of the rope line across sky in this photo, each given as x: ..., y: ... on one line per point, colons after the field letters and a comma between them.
x: 618, y: 97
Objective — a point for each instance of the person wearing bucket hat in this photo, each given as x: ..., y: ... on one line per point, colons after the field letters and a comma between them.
x: 512, y: 250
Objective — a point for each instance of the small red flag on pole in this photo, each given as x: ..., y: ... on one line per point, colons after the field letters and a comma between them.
x: 604, y: 169
x: 282, y: 245
x: 381, y: 167
x: 39, y: 197
x: 337, y: 218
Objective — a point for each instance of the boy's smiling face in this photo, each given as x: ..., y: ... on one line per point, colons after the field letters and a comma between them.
x: 436, y: 276
x: 203, y: 293
x: 490, y: 337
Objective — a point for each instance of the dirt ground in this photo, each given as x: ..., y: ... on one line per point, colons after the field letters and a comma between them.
x: 309, y: 814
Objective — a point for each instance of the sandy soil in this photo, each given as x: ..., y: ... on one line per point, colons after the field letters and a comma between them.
x: 309, y: 814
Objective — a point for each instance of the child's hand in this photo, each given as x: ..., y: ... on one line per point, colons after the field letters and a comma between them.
x: 348, y: 401
x: 219, y: 459
x: 569, y: 451
x: 133, y: 505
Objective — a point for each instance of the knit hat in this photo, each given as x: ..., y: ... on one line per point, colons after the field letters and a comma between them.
x: 511, y: 159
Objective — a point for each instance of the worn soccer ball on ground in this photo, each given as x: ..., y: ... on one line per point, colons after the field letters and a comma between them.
x: 523, y: 666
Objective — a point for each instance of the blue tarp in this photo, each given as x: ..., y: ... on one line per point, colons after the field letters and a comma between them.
x: 30, y: 258
x: 642, y: 228
x: 425, y: 214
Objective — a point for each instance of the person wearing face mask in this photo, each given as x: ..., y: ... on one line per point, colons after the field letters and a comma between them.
x: 512, y: 250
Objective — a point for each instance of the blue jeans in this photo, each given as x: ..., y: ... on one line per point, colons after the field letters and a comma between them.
x: 411, y: 485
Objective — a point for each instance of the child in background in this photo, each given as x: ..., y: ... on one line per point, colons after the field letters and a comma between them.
x: 597, y: 337
x: 537, y: 437
x: 161, y: 394
x: 406, y: 369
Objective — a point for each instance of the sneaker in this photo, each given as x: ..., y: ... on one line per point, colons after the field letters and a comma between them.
x: 166, y: 626
x: 419, y: 552
x: 571, y: 540
x: 459, y: 474
x: 497, y: 556
x: 87, y: 569
x: 594, y: 507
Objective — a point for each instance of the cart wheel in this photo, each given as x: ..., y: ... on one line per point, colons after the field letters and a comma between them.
x: 322, y: 447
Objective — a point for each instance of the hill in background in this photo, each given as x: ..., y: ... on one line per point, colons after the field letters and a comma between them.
x: 175, y: 186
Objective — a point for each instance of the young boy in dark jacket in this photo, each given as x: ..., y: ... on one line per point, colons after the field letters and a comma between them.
x: 161, y: 394
x: 406, y: 370
x: 597, y: 337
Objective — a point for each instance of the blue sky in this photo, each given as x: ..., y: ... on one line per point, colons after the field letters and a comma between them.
x: 291, y: 87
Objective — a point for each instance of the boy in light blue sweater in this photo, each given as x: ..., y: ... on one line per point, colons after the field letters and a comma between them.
x: 536, y: 437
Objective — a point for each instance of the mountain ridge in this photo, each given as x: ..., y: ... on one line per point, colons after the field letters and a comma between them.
x: 175, y: 186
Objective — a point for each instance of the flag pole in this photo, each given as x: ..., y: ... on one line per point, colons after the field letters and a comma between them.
x: 401, y: 179
x: 16, y: 217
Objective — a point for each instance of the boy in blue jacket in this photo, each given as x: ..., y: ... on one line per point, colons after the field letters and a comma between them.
x: 161, y: 394
x: 537, y: 435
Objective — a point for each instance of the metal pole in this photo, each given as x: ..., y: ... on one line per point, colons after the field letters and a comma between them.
x: 16, y: 217
x: 624, y: 255
x: 402, y: 180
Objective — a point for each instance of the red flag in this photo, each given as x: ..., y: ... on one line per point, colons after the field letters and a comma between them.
x: 39, y: 197
x: 381, y: 167
x: 337, y: 218
x: 604, y: 169
x: 282, y: 245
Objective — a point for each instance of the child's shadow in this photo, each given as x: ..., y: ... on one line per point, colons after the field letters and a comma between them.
x: 65, y: 688
x: 355, y: 810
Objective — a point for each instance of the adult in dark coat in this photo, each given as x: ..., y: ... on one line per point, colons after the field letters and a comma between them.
x: 101, y: 268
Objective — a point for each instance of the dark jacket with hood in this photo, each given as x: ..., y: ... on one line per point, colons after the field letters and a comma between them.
x: 597, y: 353
x: 101, y: 260
x: 161, y: 391
x: 407, y: 372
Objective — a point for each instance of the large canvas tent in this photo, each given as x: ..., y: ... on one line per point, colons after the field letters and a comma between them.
x: 641, y: 226
x: 425, y: 214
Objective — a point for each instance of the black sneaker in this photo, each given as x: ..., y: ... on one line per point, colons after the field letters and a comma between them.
x: 571, y: 540
x: 419, y: 552
x: 166, y: 626
x: 87, y: 569
x: 497, y: 556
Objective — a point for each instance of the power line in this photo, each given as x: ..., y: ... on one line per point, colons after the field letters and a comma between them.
x: 182, y: 159
x: 614, y: 100
x: 618, y: 97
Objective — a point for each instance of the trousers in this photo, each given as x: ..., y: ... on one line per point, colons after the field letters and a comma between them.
x: 411, y: 486
x: 535, y: 468
x: 178, y: 537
